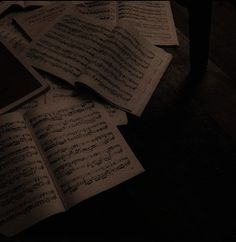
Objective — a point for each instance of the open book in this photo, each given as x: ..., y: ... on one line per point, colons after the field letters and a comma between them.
x: 116, y: 62
x: 54, y: 158
x: 152, y: 19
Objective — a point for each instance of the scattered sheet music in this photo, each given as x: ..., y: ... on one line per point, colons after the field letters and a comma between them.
x: 63, y: 147
x: 152, y: 19
x: 55, y: 157
x: 81, y: 49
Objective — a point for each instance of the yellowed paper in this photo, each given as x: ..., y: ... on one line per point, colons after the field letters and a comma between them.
x: 85, y: 150
x: 117, y: 64
x: 152, y: 19
x: 27, y: 192
x: 34, y: 22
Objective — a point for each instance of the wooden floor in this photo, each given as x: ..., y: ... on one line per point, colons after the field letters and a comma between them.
x: 217, y: 94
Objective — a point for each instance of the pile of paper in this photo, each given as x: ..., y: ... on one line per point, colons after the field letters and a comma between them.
x: 105, y: 45
x: 100, y: 60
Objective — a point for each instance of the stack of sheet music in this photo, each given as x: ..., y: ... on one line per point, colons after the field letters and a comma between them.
x: 62, y: 147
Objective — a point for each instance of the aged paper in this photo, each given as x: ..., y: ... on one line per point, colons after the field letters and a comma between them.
x: 79, y: 49
x: 86, y: 152
x: 63, y: 93
x: 27, y: 192
x: 152, y: 19
x: 68, y: 46
x: 104, y: 10
x: 36, y: 21
x: 142, y: 66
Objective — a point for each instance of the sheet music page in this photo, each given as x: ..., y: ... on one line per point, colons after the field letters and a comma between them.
x: 85, y: 150
x: 58, y: 92
x: 105, y: 10
x: 126, y: 69
x: 152, y: 19
x: 36, y: 3
x: 119, y: 117
x: 63, y: 93
x: 34, y: 22
x: 27, y: 193
x: 68, y: 46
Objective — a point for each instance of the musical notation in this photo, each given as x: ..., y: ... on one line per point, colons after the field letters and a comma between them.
x: 80, y: 145
x: 25, y: 184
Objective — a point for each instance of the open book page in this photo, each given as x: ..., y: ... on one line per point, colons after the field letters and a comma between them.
x: 68, y: 46
x: 126, y: 69
x: 84, y: 149
x: 35, y: 3
x: 105, y: 10
x: 119, y: 117
x: 31, y: 104
x: 27, y: 193
x: 58, y: 92
x: 152, y: 19
x: 63, y: 93
x: 34, y: 22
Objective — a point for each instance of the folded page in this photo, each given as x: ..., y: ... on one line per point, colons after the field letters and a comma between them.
x: 120, y: 65
x: 68, y: 46
x: 126, y: 69
x: 34, y: 22
x: 152, y: 19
